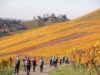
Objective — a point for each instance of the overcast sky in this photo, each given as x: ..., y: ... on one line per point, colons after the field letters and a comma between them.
x: 27, y: 9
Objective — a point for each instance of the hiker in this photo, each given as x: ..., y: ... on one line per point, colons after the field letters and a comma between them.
x: 17, y: 65
x: 55, y: 61
x: 60, y: 61
x: 41, y: 64
x: 66, y: 60
x: 28, y: 65
x: 51, y: 62
x: 34, y: 62
x: 24, y: 59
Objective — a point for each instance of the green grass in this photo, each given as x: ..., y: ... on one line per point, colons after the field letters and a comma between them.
x: 68, y: 70
x: 9, y: 71
x: 6, y: 73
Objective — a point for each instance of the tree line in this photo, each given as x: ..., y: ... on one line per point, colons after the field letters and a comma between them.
x: 47, y: 19
x: 10, y: 25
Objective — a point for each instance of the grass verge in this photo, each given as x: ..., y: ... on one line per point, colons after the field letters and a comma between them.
x: 69, y: 70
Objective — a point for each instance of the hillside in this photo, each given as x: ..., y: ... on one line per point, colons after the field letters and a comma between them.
x: 55, y: 39
x: 10, y: 26
x: 29, y: 24
x: 46, y: 19
x: 91, y: 16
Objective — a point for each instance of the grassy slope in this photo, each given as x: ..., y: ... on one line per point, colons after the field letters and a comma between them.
x: 29, y: 24
x: 69, y: 70
x: 53, y: 39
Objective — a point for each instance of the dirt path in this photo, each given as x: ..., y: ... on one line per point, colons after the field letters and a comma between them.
x: 47, y: 70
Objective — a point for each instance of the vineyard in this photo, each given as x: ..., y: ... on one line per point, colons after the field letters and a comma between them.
x: 87, y: 58
x: 78, y: 39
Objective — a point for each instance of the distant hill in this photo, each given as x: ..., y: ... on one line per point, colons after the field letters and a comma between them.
x: 91, y: 16
x: 45, y: 20
x: 55, y: 39
x: 9, y: 26
x: 12, y: 26
x: 28, y: 24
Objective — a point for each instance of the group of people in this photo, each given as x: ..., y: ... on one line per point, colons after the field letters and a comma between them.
x: 27, y: 63
x: 54, y: 61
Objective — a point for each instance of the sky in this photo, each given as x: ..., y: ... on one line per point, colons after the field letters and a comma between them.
x: 27, y: 9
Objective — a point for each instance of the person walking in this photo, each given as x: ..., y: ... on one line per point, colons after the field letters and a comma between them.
x: 17, y: 65
x: 24, y: 60
x: 64, y: 59
x: 51, y: 62
x: 34, y: 62
x: 28, y: 65
x: 55, y: 62
x: 41, y: 64
x: 60, y: 61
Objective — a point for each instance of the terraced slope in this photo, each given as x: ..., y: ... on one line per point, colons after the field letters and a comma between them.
x: 54, y: 39
x: 91, y: 16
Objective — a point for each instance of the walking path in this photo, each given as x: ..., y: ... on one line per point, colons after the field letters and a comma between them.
x: 47, y: 70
